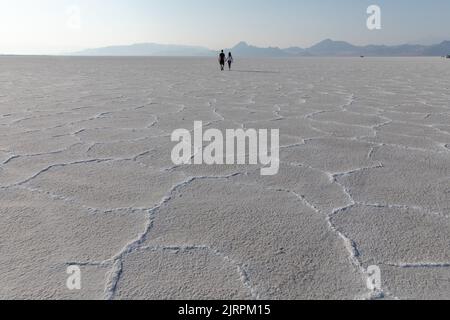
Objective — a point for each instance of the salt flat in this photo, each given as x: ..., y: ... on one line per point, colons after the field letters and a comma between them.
x: 86, y: 178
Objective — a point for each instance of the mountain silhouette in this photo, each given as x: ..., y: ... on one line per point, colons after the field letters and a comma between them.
x: 330, y: 47
x: 245, y: 50
x: 147, y: 49
x: 326, y: 48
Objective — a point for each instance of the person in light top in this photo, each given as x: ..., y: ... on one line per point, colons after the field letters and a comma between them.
x: 230, y: 60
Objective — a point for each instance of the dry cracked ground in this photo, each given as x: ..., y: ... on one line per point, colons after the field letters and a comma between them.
x: 86, y: 178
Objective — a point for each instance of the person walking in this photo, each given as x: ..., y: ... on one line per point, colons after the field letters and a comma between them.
x: 222, y: 60
x: 230, y: 60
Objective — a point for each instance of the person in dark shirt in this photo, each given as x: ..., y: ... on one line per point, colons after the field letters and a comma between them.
x: 222, y: 58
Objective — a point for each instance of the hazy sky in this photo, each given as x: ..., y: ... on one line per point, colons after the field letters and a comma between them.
x: 52, y: 26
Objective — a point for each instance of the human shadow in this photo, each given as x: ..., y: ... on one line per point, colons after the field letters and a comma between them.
x: 255, y: 71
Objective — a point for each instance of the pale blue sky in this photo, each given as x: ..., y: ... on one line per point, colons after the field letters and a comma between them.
x: 44, y: 26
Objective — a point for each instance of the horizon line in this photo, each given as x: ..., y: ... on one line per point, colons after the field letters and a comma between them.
x: 264, y: 47
x: 218, y: 50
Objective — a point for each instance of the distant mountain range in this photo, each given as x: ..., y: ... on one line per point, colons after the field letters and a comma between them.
x: 326, y: 48
x: 148, y: 49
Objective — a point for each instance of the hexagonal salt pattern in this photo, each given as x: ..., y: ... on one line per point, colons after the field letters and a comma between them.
x: 86, y: 179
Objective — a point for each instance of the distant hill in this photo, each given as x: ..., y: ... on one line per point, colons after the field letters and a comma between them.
x: 147, y: 49
x: 334, y: 48
x: 296, y: 51
x: 345, y: 49
x: 442, y: 49
x: 326, y: 48
x: 245, y: 50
